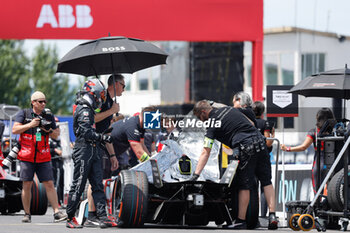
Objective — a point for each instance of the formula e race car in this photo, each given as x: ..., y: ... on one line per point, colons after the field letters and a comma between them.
x: 159, y: 190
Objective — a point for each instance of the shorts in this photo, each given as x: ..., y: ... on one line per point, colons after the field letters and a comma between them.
x: 245, y: 178
x: 42, y: 170
x: 250, y: 151
x: 263, y: 168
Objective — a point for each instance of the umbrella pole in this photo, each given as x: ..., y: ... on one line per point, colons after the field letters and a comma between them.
x: 114, y: 88
x: 344, y: 111
x: 95, y: 72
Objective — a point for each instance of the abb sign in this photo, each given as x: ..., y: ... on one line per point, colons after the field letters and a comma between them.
x: 183, y: 20
x: 66, y: 17
x: 228, y: 20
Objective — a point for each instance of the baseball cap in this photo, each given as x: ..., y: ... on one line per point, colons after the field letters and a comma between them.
x: 38, y: 95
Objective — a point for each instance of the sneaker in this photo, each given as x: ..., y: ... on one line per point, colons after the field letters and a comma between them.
x: 105, y: 222
x: 73, y: 223
x: 113, y: 220
x: 92, y: 222
x: 273, y: 222
x: 59, y: 216
x: 27, y: 218
x: 237, y: 225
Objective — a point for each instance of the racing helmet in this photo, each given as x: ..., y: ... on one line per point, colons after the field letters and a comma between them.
x: 96, y: 91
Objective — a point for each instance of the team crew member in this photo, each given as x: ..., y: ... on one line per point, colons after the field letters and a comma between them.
x: 322, y: 116
x: 34, y: 126
x: 149, y: 139
x: 265, y: 127
x: 236, y: 131
x: 116, y: 85
x: 243, y: 102
x: 57, y: 162
x: 86, y: 156
x: 129, y: 132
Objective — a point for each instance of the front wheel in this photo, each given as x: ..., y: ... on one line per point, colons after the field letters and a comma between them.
x: 130, y: 198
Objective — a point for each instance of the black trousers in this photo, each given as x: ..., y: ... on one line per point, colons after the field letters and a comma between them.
x: 58, y: 176
x: 87, y: 165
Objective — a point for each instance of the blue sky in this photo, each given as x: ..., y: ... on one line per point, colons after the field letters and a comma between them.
x: 321, y: 15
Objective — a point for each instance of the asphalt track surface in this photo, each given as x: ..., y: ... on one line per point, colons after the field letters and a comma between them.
x: 44, y: 224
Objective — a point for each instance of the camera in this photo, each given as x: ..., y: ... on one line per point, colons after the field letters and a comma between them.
x: 11, y: 156
x: 43, y: 122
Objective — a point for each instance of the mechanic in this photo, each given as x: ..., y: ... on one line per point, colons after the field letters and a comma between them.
x: 86, y: 153
x: 57, y: 162
x: 129, y: 132
x: 34, y: 126
x: 267, y: 129
x: 130, y: 158
x: 243, y: 102
x: 116, y: 85
x: 149, y: 140
x: 237, y: 132
x: 323, y: 115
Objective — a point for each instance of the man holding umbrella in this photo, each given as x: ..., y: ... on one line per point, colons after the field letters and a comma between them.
x: 116, y: 85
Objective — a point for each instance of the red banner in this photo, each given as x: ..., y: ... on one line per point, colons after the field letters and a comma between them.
x: 187, y: 20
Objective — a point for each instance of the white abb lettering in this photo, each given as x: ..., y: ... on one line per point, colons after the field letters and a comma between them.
x: 66, y: 18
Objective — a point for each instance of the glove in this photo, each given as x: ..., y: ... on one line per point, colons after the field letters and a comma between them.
x: 194, y: 177
x: 106, y: 138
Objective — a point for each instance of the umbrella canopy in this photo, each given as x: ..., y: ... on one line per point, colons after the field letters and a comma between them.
x: 110, y: 55
x: 333, y: 83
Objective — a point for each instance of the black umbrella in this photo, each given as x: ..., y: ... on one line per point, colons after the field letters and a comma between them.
x: 333, y: 83
x: 110, y: 55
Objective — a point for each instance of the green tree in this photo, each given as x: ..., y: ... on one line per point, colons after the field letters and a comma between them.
x: 21, y: 75
x: 14, y: 73
x: 60, y: 95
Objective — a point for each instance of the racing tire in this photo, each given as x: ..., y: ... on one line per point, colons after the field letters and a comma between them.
x: 252, y: 216
x: 335, y: 191
x: 38, y: 204
x: 130, y: 198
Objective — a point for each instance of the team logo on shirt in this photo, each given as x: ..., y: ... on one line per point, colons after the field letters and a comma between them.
x: 151, y: 120
x: 136, y: 132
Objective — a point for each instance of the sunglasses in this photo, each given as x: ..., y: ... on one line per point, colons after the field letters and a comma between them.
x: 41, y: 101
x: 123, y: 85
